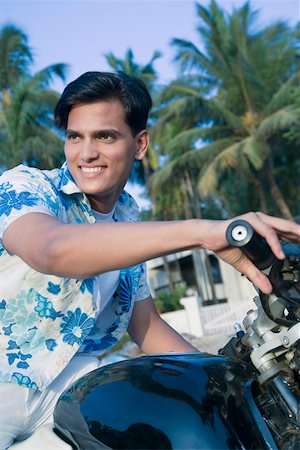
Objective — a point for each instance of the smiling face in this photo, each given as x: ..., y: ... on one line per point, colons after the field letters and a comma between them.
x: 100, y: 150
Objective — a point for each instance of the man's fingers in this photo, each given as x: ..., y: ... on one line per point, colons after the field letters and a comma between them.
x: 241, y: 263
x: 273, y: 241
x: 287, y: 230
x: 272, y: 229
x: 259, y: 280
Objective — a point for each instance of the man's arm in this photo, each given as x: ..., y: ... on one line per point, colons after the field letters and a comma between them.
x: 84, y: 250
x: 152, y: 334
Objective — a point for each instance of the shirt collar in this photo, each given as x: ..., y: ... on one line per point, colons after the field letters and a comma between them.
x: 67, y: 183
x: 126, y: 206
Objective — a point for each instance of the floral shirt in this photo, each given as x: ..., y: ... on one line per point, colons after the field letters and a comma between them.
x: 45, y: 319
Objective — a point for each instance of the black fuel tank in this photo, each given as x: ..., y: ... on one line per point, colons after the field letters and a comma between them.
x: 173, y: 401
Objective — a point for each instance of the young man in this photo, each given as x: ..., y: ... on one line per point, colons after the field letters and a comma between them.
x: 72, y: 271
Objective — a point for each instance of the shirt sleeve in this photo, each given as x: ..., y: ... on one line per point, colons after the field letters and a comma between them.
x: 25, y: 190
x: 143, y: 290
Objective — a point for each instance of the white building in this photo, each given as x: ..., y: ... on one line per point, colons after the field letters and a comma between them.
x: 222, y: 295
x: 214, y: 280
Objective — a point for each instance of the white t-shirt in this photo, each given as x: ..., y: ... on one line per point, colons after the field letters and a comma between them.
x: 106, y: 284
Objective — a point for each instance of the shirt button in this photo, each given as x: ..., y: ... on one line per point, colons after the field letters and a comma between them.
x: 90, y: 218
x: 61, y: 362
x: 39, y: 383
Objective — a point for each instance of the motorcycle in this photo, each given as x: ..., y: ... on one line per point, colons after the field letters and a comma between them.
x: 246, y: 397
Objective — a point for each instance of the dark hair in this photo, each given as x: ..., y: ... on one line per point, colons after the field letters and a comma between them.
x: 102, y: 86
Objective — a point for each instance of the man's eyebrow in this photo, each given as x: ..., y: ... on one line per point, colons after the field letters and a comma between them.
x: 109, y: 131
x: 70, y: 131
x: 97, y: 133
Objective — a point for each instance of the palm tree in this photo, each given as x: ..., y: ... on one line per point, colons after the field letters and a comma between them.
x: 26, y: 122
x: 26, y: 105
x: 174, y: 188
x: 243, y: 85
x: 128, y: 65
x: 15, y: 56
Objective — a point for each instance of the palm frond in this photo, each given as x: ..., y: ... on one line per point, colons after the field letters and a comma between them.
x: 44, y: 77
x: 224, y: 160
x: 192, y: 160
x: 15, y: 56
x: 188, y: 55
x: 284, y: 95
x: 255, y: 151
x: 128, y: 65
x: 187, y: 139
x: 279, y: 121
x: 230, y: 117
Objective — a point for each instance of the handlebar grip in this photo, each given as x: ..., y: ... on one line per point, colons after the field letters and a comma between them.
x: 241, y: 234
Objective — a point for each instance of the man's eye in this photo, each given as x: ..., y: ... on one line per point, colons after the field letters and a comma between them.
x: 106, y: 137
x: 72, y: 137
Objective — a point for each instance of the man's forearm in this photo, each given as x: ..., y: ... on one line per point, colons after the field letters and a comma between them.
x: 84, y: 250
x: 152, y: 334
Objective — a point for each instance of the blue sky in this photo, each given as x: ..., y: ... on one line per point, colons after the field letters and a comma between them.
x: 80, y: 32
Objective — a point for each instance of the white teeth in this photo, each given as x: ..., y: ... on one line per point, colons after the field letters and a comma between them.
x: 92, y: 169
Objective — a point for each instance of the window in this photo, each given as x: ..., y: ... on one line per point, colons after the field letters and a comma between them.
x: 214, y: 267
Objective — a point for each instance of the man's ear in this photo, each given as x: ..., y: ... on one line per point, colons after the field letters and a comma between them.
x: 142, y: 141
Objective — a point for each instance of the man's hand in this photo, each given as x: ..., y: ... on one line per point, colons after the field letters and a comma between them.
x: 272, y: 229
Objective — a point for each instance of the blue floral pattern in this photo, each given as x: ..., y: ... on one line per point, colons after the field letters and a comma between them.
x: 53, y: 288
x: 122, y: 308
x: 87, y: 285
x: 11, y: 200
x: 1, y: 247
x: 24, y: 380
x: 45, y: 319
x: 76, y: 327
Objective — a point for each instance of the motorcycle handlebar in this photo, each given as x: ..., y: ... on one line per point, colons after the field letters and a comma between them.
x: 241, y: 234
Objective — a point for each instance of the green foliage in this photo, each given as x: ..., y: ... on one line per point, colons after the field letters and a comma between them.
x: 15, y: 56
x: 224, y: 117
x: 225, y: 134
x: 26, y: 105
x: 128, y: 65
x: 166, y: 302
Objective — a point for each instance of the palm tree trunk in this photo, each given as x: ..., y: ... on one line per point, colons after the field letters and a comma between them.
x: 276, y: 194
x: 195, y: 207
x: 187, y: 210
x: 263, y: 205
x: 194, y: 200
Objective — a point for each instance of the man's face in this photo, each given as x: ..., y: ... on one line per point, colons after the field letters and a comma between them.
x: 100, y: 151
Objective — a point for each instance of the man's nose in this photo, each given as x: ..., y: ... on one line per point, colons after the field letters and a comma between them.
x: 88, y: 151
